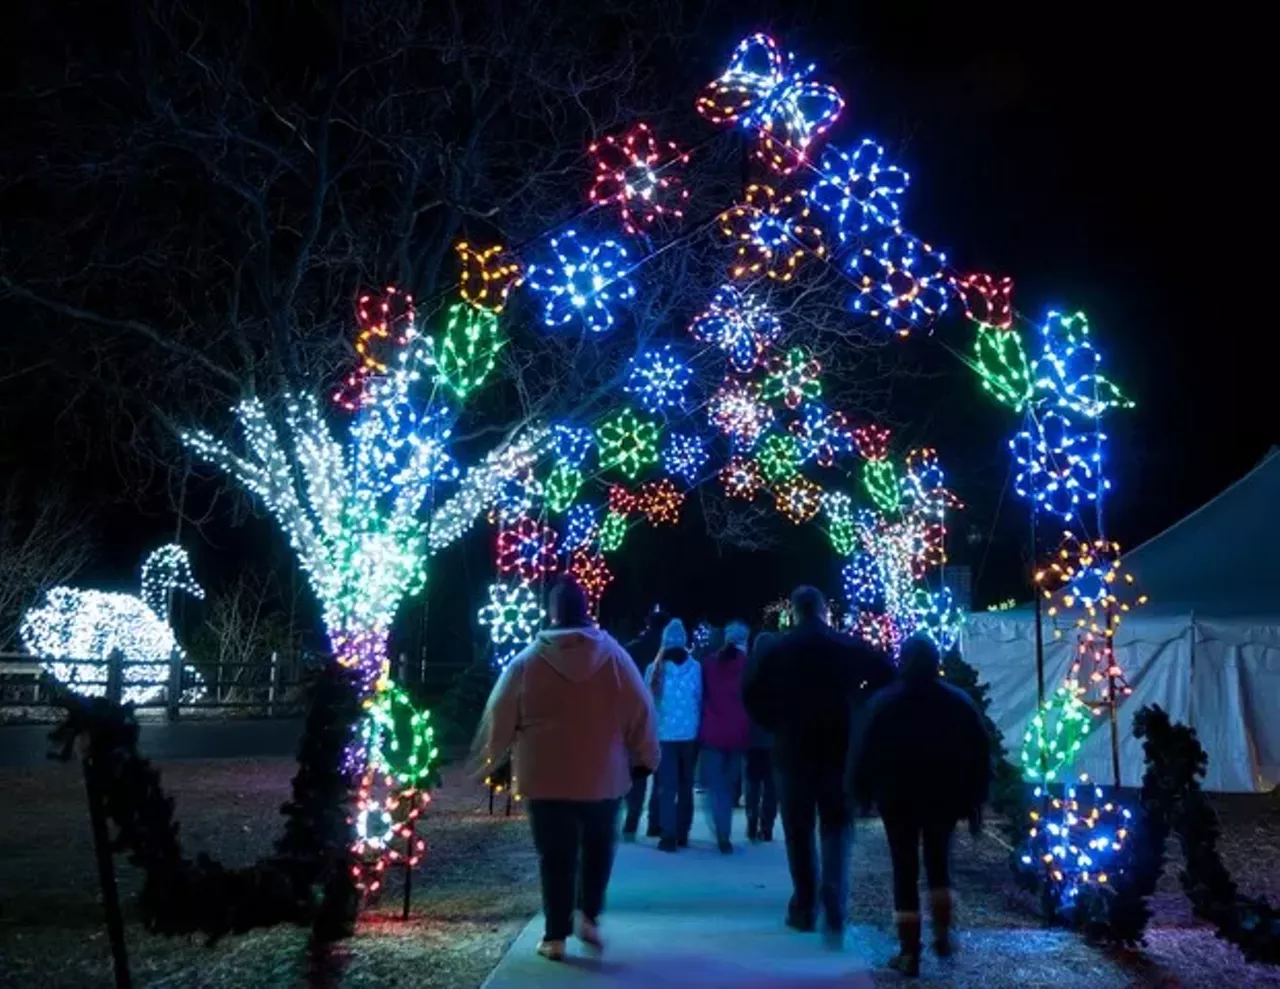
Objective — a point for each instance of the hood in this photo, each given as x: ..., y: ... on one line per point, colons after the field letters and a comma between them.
x: 574, y: 653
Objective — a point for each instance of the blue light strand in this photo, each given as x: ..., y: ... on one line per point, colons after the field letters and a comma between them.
x: 585, y: 282
x: 684, y: 455
x: 859, y: 190
x: 658, y: 379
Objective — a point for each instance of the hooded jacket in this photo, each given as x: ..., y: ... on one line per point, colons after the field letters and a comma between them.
x: 676, y: 681
x: 724, y: 718
x: 922, y: 747
x: 575, y: 714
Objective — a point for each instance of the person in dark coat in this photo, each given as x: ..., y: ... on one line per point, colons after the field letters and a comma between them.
x: 725, y: 733
x: 923, y: 756
x: 647, y: 643
x: 805, y: 690
x: 762, y: 795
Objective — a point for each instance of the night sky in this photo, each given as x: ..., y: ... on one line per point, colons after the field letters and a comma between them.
x: 1100, y: 157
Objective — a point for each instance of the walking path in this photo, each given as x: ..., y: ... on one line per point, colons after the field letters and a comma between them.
x: 698, y: 918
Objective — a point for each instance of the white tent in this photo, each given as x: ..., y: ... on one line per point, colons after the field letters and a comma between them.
x: 1207, y: 649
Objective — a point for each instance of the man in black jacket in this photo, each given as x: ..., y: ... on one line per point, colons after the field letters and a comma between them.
x: 805, y: 690
x: 643, y: 649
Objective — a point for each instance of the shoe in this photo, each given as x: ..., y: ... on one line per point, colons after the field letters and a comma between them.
x: 725, y: 846
x: 551, y: 950
x: 683, y: 842
x: 940, y: 905
x: 589, y: 934
x: 801, y: 922
x: 907, y: 960
x: 833, y: 938
x: 666, y: 845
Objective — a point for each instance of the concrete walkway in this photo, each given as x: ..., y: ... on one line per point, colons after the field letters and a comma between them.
x: 697, y: 918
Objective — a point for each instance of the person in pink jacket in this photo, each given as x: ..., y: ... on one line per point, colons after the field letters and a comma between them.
x: 577, y: 718
x: 726, y: 730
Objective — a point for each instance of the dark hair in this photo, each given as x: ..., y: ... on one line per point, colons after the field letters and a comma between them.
x: 763, y: 641
x: 807, y: 602
x: 919, y: 659
x: 567, y: 605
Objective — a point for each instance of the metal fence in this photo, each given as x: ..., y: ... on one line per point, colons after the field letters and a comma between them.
x: 271, y: 687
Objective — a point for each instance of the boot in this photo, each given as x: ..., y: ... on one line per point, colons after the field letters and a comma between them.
x: 940, y: 904
x: 753, y: 828
x: 907, y: 960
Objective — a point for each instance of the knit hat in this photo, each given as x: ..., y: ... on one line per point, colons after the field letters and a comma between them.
x: 673, y: 636
x: 737, y: 634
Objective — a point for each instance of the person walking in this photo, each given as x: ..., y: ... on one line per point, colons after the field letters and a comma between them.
x: 762, y: 795
x: 922, y: 755
x: 574, y: 712
x: 805, y: 690
x: 675, y: 679
x: 647, y: 643
x: 726, y: 730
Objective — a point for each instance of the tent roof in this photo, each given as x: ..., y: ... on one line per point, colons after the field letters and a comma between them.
x: 1224, y: 558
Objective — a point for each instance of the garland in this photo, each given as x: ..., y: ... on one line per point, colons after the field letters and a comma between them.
x: 1172, y: 801
x: 305, y: 881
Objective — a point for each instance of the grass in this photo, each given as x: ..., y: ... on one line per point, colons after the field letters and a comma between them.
x: 476, y: 888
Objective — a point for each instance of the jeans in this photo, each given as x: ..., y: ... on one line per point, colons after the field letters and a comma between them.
x: 635, y: 805
x: 675, y: 790
x: 808, y: 798
x: 575, y: 840
x: 906, y: 832
x: 762, y: 795
x: 721, y: 772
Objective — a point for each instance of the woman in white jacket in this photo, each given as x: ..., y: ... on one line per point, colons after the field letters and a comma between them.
x: 675, y: 678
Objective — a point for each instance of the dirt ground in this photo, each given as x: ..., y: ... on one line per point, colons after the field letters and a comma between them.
x: 473, y: 893
x: 478, y: 887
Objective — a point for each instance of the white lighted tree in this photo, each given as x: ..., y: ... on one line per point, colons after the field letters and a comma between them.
x: 351, y: 507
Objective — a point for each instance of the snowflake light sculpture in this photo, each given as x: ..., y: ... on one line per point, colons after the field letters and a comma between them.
x: 823, y: 435
x: 385, y: 321
x: 660, y: 501
x: 638, y: 174
x: 779, y: 458
x: 773, y: 234
x: 513, y: 613
x: 902, y: 284
x: 1067, y: 374
x: 764, y: 90
x: 580, y: 526
x: 684, y: 455
x: 585, y: 283
x: 738, y: 412
x: 1001, y: 363
x: 799, y: 499
x: 488, y: 275
x: 91, y: 626
x: 628, y: 443
x: 860, y: 191
x: 1052, y: 471
x: 527, y: 549
x: 742, y: 326
x: 793, y: 378
x: 741, y: 478
x: 658, y: 379
x: 987, y: 301
x: 468, y: 350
